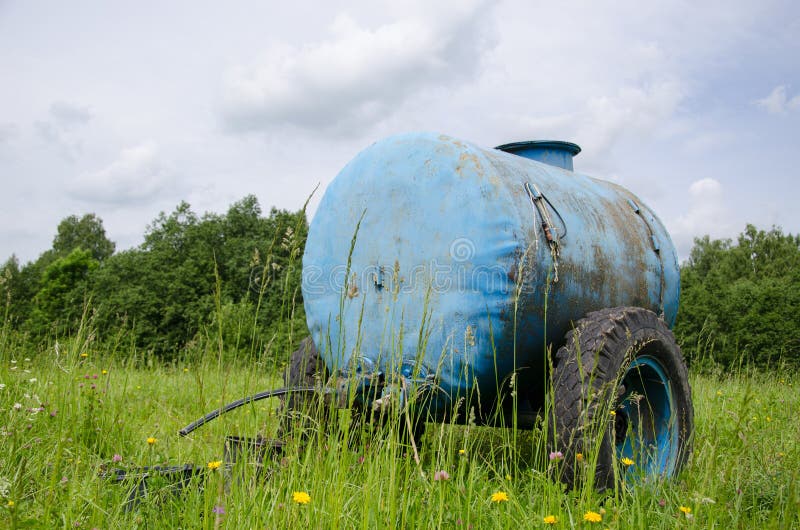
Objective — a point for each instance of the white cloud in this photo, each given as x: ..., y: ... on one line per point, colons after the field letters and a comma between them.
x: 778, y: 102
x: 705, y: 188
x: 68, y: 114
x: 706, y: 213
x: 135, y: 176
x: 8, y: 132
x: 699, y: 141
x: 634, y: 110
x: 357, y: 75
x: 607, y: 73
x: 59, y: 128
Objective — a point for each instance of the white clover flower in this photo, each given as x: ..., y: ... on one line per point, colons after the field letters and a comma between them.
x: 5, y: 485
x: 17, y: 406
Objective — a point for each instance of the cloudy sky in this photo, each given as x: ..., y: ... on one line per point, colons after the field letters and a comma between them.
x: 126, y: 108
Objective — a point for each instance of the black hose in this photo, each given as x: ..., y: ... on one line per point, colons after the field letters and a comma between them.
x: 564, y: 224
x: 538, y: 196
x: 244, y: 401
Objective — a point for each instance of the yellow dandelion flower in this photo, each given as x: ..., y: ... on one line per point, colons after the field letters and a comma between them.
x: 626, y: 461
x: 579, y: 457
x: 151, y: 440
x: 592, y: 517
x: 10, y: 504
x: 550, y: 519
x: 499, y: 496
x: 508, y: 477
x: 613, y: 413
x: 685, y: 509
x: 84, y: 355
x: 104, y: 372
x: 301, y: 497
x: 185, y: 369
x: 462, y: 451
x: 214, y: 464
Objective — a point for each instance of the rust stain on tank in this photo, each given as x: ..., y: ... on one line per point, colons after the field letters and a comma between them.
x: 467, y: 159
x: 631, y: 285
x: 352, y: 290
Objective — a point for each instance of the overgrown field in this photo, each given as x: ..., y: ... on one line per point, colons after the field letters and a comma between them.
x: 71, y: 412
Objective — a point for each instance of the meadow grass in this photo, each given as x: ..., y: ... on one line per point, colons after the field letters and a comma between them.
x: 71, y: 412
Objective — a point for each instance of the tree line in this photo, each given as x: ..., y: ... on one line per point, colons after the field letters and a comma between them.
x: 740, y: 301
x: 234, y: 279
x: 195, y: 282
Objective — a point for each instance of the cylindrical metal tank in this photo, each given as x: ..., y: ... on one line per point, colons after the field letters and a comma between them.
x: 432, y: 255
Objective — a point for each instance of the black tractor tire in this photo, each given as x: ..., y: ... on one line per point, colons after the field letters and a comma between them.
x: 596, y: 375
x: 306, y: 369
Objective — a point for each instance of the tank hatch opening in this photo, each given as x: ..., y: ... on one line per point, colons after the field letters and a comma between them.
x: 552, y: 152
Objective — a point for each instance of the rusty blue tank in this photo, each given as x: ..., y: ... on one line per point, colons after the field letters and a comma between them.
x: 434, y: 257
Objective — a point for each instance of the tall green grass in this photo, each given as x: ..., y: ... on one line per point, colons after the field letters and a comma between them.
x: 69, y: 407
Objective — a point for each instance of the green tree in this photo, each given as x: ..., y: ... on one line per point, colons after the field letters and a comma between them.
x: 86, y: 232
x: 742, y: 298
x: 9, y: 275
x: 23, y: 285
x: 63, y: 292
x: 233, y: 277
x: 72, y: 233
